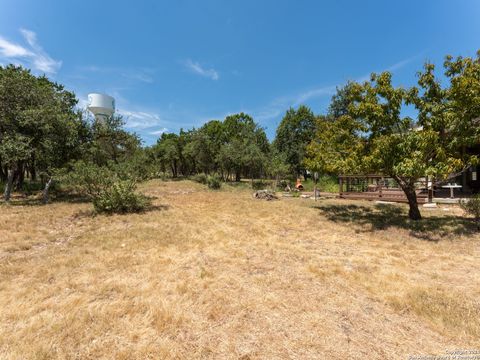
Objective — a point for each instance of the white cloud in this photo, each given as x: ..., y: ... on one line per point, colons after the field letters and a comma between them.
x: 314, y: 93
x: 159, y: 131
x: 32, y: 56
x: 30, y: 36
x: 140, y: 119
x: 196, y: 68
x: 397, y: 66
x: 280, y: 104
x: 11, y: 50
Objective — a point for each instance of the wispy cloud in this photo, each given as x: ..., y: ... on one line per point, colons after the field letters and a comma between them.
x: 11, y: 50
x: 138, y: 74
x: 196, y: 68
x: 405, y: 62
x: 140, y: 119
x: 280, y: 104
x: 32, y: 55
x: 397, y: 66
x: 159, y: 131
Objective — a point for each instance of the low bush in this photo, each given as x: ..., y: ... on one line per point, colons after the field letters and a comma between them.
x: 120, y: 198
x: 214, y: 182
x: 472, y: 207
x: 326, y: 183
x: 200, y: 178
x: 110, y: 190
x: 282, y: 185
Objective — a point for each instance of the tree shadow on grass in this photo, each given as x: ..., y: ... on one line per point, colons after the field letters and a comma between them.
x: 36, y: 200
x: 385, y: 216
x: 74, y: 198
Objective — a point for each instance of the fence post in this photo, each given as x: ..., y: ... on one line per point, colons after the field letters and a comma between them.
x: 380, y: 188
x: 340, y: 185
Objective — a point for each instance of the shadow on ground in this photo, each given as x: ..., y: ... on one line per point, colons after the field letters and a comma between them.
x: 73, y: 198
x: 36, y: 200
x: 385, y: 216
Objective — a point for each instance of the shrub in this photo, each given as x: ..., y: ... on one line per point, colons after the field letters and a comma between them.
x: 472, y: 207
x: 120, y: 197
x: 213, y: 182
x: 110, y: 190
x: 328, y: 183
x: 200, y: 178
x: 282, y: 184
x: 88, y: 179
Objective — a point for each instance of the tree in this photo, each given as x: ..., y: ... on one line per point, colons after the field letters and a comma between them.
x: 110, y: 142
x: 168, y: 152
x: 295, y: 132
x: 203, y: 146
x: 245, y: 146
x: 374, y: 136
x: 14, y: 149
x: 40, y: 130
x: 340, y: 101
x: 277, y: 166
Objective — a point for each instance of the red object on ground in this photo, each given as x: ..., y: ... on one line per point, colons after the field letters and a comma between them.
x: 299, y: 185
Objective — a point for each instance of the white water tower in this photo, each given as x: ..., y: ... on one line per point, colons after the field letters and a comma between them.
x: 101, y: 106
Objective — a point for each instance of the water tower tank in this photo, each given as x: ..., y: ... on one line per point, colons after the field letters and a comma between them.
x: 101, y: 105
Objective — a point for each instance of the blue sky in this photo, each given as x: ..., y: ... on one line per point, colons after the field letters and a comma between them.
x: 174, y: 64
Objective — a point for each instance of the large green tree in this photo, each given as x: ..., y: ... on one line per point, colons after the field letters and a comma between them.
x: 245, y: 146
x: 295, y: 132
x: 168, y: 152
x: 40, y: 128
x: 374, y: 136
x: 110, y: 142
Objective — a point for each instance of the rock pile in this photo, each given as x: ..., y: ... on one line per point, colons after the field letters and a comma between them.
x: 265, y: 195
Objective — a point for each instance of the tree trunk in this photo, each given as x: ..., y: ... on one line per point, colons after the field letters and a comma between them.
x: 20, y: 177
x: 237, y: 175
x: 8, y: 185
x: 33, y: 173
x: 3, y: 175
x: 46, y: 189
x: 413, y: 212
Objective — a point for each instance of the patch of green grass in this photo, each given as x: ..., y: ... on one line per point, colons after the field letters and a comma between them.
x: 326, y: 183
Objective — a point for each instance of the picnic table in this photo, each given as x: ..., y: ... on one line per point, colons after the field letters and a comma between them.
x: 451, y: 187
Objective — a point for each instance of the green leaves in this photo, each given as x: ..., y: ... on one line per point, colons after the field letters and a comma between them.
x: 372, y: 136
x: 38, y: 122
x: 295, y: 132
x: 14, y: 148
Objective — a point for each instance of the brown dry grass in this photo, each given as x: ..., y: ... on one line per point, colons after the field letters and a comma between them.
x: 221, y: 275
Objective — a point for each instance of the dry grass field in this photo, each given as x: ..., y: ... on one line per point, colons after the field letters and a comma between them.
x: 221, y: 275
